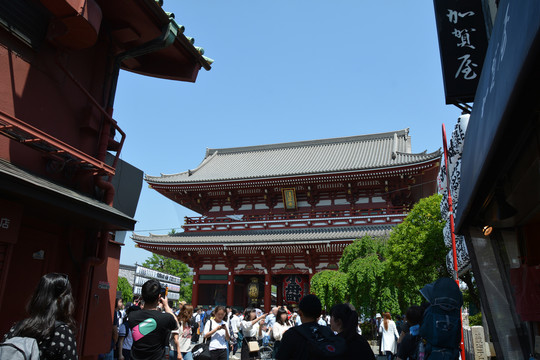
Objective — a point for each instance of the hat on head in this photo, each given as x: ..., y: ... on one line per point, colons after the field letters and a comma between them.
x: 378, y: 315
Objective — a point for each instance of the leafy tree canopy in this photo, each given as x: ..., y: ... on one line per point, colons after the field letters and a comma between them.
x: 364, y: 261
x: 416, y: 250
x: 125, y: 288
x: 330, y: 286
x: 173, y: 267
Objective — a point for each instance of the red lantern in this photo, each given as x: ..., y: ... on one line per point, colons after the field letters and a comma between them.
x: 295, y: 287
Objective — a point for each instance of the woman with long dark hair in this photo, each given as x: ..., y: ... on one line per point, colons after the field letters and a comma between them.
x: 281, y: 325
x: 344, y: 320
x: 180, y: 342
x: 51, y: 319
x: 251, y: 328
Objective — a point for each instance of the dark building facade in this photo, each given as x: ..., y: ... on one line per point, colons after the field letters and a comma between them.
x: 499, y: 196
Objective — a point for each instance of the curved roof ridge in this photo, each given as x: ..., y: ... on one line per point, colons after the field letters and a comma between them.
x: 305, y: 143
x: 423, y: 153
x: 189, y: 171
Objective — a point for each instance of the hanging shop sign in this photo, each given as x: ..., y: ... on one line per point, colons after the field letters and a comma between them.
x: 295, y: 287
x: 461, y: 29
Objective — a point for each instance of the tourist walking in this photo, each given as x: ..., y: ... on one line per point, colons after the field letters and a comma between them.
x: 281, y: 325
x: 344, y: 321
x: 180, y: 342
x: 389, y: 336
x: 409, y: 342
x: 125, y: 337
x: 50, y: 319
x: 297, y: 342
x: 150, y: 326
x: 250, y: 329
x: 216, y: 330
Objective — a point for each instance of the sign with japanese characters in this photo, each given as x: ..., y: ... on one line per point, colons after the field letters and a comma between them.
x: 294, y: 288
x: 10, y: 221
x: 462, y: 43
x: 289, y: 199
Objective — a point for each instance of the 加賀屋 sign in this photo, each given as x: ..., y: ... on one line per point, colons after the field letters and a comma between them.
x: 461, y: 29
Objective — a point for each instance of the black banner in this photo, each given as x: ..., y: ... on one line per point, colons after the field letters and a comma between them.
x: 462, y: 42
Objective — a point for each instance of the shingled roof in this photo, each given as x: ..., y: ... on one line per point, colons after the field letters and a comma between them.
x: 274, y: 237
x: 364, y: 152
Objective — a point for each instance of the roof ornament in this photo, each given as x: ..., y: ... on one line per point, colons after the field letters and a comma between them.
x: 190, y: 172
x: 394, y: 151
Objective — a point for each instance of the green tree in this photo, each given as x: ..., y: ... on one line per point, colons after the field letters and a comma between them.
x: 173, y: 267
x: 330, y: 286
x: 416, y: 250
x: 364, y: 262
x: 125, y: 288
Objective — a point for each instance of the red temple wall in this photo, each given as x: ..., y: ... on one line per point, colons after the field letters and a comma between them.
x: 34, y: 89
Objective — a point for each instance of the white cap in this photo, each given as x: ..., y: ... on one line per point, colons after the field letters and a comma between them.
x: 378, y: 315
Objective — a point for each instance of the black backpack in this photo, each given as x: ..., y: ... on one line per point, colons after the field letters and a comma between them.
x: 322, y: 343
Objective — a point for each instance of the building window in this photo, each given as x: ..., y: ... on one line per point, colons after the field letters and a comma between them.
x: 26, y: 20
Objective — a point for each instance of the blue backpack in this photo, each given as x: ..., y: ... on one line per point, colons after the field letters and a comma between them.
x: 441, y: 324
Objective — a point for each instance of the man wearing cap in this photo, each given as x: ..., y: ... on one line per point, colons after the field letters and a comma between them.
x: 151, y: 327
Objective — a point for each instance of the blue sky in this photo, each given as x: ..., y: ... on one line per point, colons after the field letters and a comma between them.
x: 284, y: 71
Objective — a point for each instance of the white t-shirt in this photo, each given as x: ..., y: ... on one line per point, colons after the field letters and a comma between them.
x: 248, y: 329
x: 217, y: 340
x: 235, y: 323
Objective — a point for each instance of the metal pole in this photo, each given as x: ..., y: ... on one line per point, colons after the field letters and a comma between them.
x: 451, y: 211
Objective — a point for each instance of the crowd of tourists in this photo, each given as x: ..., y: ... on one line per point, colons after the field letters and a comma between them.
x: 150, y: 329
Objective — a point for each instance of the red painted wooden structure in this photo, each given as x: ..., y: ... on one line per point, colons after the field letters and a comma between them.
x: 273, y: 212
x: 60, y: 145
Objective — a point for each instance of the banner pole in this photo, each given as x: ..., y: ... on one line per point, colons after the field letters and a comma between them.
x: 451, y: 213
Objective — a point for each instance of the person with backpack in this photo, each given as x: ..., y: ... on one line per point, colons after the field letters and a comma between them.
x: 344, y: 320
x: 217, y: 333
x: 50, y: 327
x: 309, y: 340
x: 408, y: 346
x: 441, y: 322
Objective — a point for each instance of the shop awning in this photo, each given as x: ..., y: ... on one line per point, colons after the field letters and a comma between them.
x: 29, y: 186
x: 511, y: 58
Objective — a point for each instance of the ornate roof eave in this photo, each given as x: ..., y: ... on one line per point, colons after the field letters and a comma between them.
x: 304, y: 237
x: 362, y: 174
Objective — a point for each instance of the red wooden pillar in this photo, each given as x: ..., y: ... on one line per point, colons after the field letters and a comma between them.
x: 230, y: 288
x: 280, y: 291
x: 267, y: 292
x: 195, y: 290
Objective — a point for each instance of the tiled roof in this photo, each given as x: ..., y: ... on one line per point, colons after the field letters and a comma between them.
x: 343, y: 154
x: 276, y: 237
